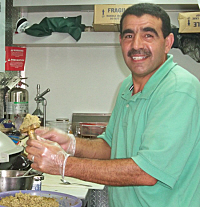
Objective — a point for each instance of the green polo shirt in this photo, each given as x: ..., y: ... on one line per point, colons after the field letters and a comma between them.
x: 159, y: 128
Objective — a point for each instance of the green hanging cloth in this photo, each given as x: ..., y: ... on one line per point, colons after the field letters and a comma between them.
x: 71, y: 25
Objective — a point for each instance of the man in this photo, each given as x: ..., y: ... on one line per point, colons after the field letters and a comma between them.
x: 149, y: 154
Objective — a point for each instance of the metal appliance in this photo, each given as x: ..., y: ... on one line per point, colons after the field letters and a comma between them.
x: 13, y: 160
x: 17, y: 101
x: 11, y: 155
x: 89, y: 124
x: 40, y: 99
x: 13, y: 180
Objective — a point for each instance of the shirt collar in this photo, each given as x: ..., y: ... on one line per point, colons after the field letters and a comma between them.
x: 131, y: 87
x: 152, y: 83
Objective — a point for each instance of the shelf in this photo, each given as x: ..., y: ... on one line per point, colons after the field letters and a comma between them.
x: 92, y: 2
x: 69, y: 5
x: 64, y: 39
x: 87, y: 38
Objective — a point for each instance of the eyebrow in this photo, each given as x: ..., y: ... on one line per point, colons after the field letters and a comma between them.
x: 145, y: 29
x: 150, y: 29
x: 127, y: 31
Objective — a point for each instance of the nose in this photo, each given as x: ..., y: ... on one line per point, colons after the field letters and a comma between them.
x: 137, y: 42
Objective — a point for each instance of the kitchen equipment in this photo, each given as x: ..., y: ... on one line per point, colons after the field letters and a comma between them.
x: 6, y: 85
x: 17, y: 101
x: 40, y: 99
x: 62, y: 119
x: 16, y: 160
x: 92, y: 129
x: 31, y: 130
x: 8, y: 146
x: 68, y: 183
x: 27, y: 172
x: 13, y: 180
x: 63, y: 125
x: 64, y: 200
x: 2, y: 102
x: 80, y: 118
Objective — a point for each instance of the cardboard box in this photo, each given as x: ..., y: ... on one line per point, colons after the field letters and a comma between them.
x: 107, y: 17
x: 189, y: 22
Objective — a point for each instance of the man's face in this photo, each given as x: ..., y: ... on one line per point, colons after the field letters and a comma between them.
x: 143, y: 45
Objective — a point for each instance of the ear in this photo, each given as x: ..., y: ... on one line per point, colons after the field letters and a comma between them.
x: 169, y: 40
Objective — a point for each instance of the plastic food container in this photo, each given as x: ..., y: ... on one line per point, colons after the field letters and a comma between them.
x: 92, y: 129
x: 63, y: 125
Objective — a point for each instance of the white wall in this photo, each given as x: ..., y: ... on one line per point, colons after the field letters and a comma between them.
x: 81, y: 79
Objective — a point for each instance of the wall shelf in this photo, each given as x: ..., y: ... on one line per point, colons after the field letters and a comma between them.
x: 92, y: 2
x: 87, y: 38
x: 68, y: 5
x: 64, y: 39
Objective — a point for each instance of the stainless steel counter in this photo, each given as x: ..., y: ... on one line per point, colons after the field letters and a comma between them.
x: 97, y: 198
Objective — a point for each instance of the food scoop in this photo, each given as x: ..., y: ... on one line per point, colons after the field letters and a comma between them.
x: 30, y: 130
x: 29, y: 125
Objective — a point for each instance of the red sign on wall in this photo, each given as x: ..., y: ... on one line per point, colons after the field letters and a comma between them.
x: 15, y: 58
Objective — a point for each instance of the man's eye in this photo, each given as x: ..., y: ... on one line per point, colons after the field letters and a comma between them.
x: 128, y: 36
x: 148, y: 35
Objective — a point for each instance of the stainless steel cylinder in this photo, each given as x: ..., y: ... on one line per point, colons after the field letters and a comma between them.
x: 17, y: 101
x: 17, y: 106
x: 2, y: 103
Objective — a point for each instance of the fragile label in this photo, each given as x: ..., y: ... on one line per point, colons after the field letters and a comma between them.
x: 189, y: 22
x: 110, y: 13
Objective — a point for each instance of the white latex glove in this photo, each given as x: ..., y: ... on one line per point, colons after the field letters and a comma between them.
x: 47, y: 156
x: 66, y: 141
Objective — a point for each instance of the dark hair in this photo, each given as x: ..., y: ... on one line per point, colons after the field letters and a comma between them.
x: 151, y: 9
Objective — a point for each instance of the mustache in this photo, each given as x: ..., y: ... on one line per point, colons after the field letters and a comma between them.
x: 138, y: 52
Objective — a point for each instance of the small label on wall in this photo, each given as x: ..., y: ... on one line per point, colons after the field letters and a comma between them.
x: 15, y: 58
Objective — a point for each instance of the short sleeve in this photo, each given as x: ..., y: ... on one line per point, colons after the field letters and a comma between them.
x: 169, y: 137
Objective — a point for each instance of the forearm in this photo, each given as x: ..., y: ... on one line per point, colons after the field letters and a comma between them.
x: 118, y: 172
x: 49, y: 157
x: 92, y: 148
